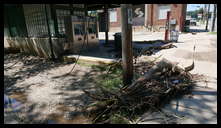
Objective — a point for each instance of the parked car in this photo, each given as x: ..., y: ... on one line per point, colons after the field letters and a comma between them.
x: 187, y: 25
x: 193, y: 22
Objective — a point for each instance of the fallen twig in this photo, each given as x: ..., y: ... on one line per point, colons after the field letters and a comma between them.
x: 152, y: 90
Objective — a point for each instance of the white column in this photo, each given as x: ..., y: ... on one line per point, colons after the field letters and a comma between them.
x: 145, y: 14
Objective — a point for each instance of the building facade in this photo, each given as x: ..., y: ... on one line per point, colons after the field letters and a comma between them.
x: 41, y: 29
x: 151, y: 16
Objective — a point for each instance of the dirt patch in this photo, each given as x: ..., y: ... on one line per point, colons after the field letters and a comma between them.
x: 67, y: 115
x: 43, y: 89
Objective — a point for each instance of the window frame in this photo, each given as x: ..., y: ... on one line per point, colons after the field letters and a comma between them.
x: 60, y: 16
x: 165, y: 13
x: 115, y: 15
x: 35, y: 19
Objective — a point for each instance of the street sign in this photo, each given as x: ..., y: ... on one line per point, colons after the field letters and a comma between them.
x: 138, y: 15
x: 130, y: 18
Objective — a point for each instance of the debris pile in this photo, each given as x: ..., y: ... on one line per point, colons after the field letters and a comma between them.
x: 149, y: 47
x: 162, y: 82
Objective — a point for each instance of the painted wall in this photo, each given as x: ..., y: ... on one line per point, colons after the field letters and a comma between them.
x: 178, y: 12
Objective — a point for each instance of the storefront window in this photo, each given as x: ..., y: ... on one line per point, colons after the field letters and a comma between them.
x: 61, y: 14
x: 79, y: 29
x: 92, y: 29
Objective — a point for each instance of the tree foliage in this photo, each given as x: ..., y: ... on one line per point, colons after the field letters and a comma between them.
x: 194, y: 14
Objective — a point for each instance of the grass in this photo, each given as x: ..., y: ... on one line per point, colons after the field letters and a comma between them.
x: 213, y: 33
x: 83, y: 63
x: 110, y: 79
x: 118, y: 119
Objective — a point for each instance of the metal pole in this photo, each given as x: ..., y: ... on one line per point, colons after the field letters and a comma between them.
x: 204, y: 13
x: 145, y: 15
x: 127, y: 51
x: 207, y: 20
x: 167, y: 25
x: 107, y: 23
x: 214, y: 17
x: 49, y: 34
x: 86, y: 23
x: 181, y: 23
x: 53, y: 15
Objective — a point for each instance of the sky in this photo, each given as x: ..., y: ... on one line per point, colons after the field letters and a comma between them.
x: 192, y: 7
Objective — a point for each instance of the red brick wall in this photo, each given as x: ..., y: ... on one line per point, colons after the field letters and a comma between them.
x: 178, y: 12
x: 118, y: 23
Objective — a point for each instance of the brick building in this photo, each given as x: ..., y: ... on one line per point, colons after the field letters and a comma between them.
x: 151, y: 16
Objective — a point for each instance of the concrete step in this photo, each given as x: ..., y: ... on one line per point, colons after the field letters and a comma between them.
x: 89, y: 59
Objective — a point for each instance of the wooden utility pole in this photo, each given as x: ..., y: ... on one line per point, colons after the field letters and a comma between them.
x: 127, y: 52
x: 207, y: 18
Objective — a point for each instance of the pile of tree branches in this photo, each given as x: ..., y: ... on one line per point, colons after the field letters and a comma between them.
x: 160, y: 84
x: 150, y: 50
x: 155, y: 46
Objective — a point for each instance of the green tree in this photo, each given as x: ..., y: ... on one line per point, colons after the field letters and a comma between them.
x: 194, y: 14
